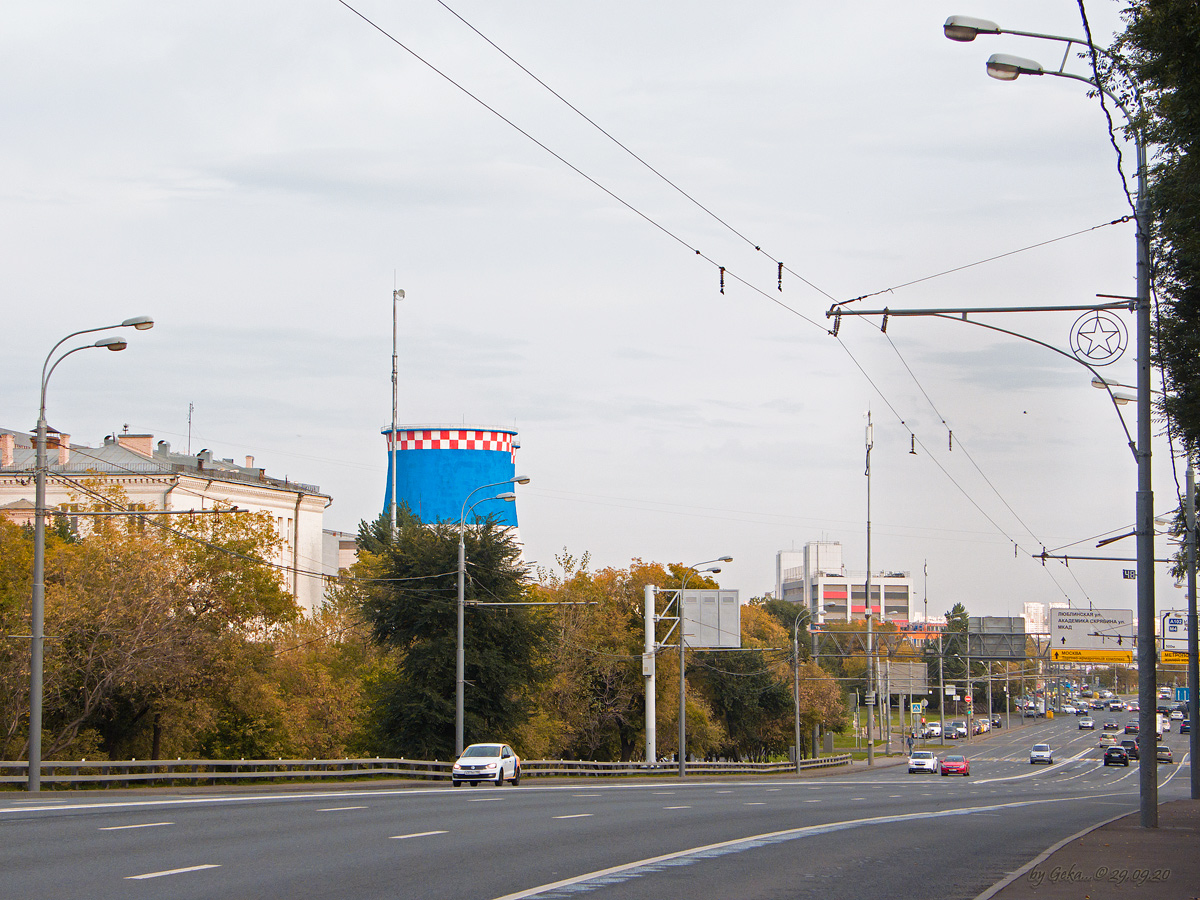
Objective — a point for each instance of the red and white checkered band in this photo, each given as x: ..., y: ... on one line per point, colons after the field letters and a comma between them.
x: 451, y: 439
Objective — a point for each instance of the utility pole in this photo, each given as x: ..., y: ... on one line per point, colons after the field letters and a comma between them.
x: 397, y: 296
x: 1193, y: 661
x: 649, y: 661
x: 870, y: 441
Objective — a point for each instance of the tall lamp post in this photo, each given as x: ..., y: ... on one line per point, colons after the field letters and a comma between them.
x: 796, y: 678
x: 691, y: 570
x: 38, y: 612
x: 397, y: 296
x: 460, y: 653
x: 1008, y: 68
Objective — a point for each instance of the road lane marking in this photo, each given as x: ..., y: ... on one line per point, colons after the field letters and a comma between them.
x: 143, y: 825
x: 754, y: 803
x: 484, y: 799
x: 663, y: 793
x: 676, y: 807
x: 405, y: 837
x: 769, y: 790
x: 812, y: 801
x: 587, y: 795
x: 169, y: 872
x: 724, y: 792
x: 575, y: 816
x: 628, y: 871
x: 340, y: 808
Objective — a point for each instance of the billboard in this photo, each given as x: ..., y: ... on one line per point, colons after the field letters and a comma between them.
x: 906, y: 677
x: 996, y: 637
x: 711, y: 619
x: 1174, y: 630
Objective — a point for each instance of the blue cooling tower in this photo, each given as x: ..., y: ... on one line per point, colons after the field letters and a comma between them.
x: 438, y: 466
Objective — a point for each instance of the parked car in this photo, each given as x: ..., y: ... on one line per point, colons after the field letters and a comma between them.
x: 1088, y: 723
x: 487, y: 762
x: 1132, y: 748
x: 1116, y: 755
x: 922, y: 761
x: 1164, y: 754
x: 956, y: 764
x: 1041, y: 753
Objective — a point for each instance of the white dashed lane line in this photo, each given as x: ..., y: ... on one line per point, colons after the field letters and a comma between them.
x: 169, y: 872
x: 417, y: 834
x: 143, y: 825
x: 676, y: 807
x: 575, y: 816
x: 340, y: 808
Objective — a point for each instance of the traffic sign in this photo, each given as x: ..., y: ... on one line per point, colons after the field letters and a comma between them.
x: 1174, y: 629
x: 1174, y: 658
x: 1091, y: 629
x: 1181, y: 695
x: 1110, y: 657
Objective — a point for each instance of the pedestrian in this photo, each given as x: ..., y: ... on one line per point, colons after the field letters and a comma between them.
x: 910, y: 745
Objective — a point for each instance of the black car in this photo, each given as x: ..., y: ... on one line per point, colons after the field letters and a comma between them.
x: 1185, y: 727
x: 1116, y: 756
x: 997, y: 722
x: 1131, y: 747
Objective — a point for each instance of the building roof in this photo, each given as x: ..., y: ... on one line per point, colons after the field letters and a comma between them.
x: 138, y: 454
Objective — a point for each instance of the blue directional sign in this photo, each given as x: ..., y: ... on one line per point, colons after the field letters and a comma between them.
x: 1181, y: 695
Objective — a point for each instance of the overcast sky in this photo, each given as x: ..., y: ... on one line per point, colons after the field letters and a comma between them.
x: 258, y: 176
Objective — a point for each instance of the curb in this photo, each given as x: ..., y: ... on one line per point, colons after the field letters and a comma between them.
x: 1043, y: 856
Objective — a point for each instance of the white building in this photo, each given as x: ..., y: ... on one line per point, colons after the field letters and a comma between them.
x: 817, y: 577
x: 155, y: 478
x: 1037, y: 615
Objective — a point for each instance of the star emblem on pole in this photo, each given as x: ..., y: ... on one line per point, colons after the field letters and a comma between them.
x: 1099, y: 337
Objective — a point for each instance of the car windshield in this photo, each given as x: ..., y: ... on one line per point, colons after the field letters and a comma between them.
x: 482, y: 750
x: 955, y: 759
x: 1041, y: 747
x: 922, y: 754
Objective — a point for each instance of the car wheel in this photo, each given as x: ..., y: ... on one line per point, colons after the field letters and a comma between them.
x: 500, y: 777
x: 516, y: 779
x: 455, y: 782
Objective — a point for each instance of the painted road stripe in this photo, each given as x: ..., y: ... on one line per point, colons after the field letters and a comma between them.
x: 340, y: 808
x: 169, y: 872
x: 628, y: 871
x: 405, y: 837
x: 143, y: 825
x: 575, y: 816
x: 754, y: 803
x: 676, y: 807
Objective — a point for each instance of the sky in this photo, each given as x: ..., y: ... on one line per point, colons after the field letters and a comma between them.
x: 259, y: 177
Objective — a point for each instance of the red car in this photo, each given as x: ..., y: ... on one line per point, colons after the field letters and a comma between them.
x: 956, y: 764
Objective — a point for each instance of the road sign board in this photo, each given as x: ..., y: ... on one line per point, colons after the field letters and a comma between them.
x: 1174, y: 629
x: 1174, y: 658
x: 1111, y: 657
x: 1091, y: 629
x: 1181, y: 695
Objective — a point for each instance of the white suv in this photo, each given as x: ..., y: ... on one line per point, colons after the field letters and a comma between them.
x: 922, y: 761
x: 1041, y: 753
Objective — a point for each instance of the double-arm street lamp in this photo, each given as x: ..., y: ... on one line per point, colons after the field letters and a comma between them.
x: 38, y: 612
x: 796, y: 675
x: 1008, y: 68
x: 460, y: 654
x: 691, y: 570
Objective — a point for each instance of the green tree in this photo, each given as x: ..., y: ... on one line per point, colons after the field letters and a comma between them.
x: 412, y: 610
x: 1162, y: 44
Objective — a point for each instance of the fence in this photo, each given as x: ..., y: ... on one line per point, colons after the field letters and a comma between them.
x: 212, y: 771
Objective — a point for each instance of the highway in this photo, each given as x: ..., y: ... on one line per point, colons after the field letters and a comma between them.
x: 862, y: 834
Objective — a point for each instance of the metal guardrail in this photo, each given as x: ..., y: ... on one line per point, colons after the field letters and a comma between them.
x: 211, y: 771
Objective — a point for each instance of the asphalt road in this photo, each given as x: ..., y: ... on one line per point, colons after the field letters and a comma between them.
x: 868, y: 834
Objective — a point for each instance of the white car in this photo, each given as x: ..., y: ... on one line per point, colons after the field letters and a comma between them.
x: 923, y: 761
x: 487, y: 762
x: 933, y: 729
x: 1176, y: 715
x: 1068, y: 709
x: 1041, y: 753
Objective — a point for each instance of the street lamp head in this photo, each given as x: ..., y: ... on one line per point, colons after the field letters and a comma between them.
x: 112, y: 343
x: 965, y: 28
x: 141, y: 323
x: 520, y: 479
x: 725, y: 559
x: 1003, y: 67
x: 507, y: 498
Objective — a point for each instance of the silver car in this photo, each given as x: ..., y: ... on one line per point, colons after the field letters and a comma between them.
x: 1041, y: 753
x: 487, y: 762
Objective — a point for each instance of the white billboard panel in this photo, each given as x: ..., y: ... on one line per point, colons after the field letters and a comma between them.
x: 1174, y: 630
x: 712, y: 619
x: 1091, y: 629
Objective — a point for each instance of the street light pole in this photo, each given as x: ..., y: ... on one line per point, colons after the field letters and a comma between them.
x: 691, y: 570
x: 1008, y: 68
x: 796, y: 676
x: 37, y: 637
x: 460, y: 652
x: 397, y: 296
